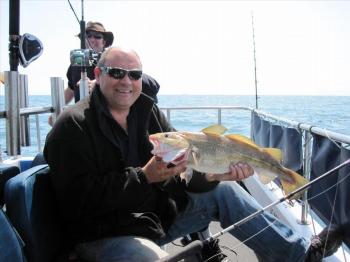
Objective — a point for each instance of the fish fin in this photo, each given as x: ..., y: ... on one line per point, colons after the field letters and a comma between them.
x: 214, y: 130
x: 195, y: 155
x: 241, y: 138
x: 289, y: 187
x: 187, y: 175
x: 2, y: 77
x: 276, y: 153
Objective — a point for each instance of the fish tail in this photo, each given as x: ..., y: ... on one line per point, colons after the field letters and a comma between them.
x: 293, y: 182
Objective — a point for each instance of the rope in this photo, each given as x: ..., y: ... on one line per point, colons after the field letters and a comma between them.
x: 330, y: 222
x: 329, y: 188
x: 256, y: 234
x: 327, y: 135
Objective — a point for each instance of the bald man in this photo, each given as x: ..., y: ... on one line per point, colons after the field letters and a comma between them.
x: 120, y: 203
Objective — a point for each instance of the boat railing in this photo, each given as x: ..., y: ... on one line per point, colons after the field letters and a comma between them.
x: 342, y: 138
x: 306, y: 130
x: 17, y: 112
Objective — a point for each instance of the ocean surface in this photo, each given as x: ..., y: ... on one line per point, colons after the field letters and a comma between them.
x: 332, y: 113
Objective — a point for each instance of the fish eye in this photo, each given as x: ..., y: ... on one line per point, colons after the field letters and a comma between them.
x: 166, y: 135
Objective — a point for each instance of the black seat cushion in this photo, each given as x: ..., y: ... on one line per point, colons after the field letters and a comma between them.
x: 6, y: 172
x: 38, y: 160
x: 10, y: 244
x: 31, y: 207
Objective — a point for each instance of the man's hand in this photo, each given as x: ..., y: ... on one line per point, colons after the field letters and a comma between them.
x: 156, y: 170
x: 238, y: 172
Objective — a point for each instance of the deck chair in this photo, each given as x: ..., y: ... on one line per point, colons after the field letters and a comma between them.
x: 31, y: 207
x: 6, y: 172
x: 10, y: 243
x: 38, y: 160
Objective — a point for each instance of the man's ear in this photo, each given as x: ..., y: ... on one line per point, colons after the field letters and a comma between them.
x: 97, y: 72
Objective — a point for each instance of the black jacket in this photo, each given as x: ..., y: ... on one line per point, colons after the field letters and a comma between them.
x: 98, y: 194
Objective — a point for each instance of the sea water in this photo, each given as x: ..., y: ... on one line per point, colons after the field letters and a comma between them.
x: 329, y: 112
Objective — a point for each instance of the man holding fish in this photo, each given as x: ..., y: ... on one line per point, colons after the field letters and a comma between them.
x: 120, y: 202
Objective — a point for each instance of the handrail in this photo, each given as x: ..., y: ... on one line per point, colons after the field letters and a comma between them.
x: 302, y: 126
x: 16, y: 100
x: 309, y: 128
x: 26, y: 111
x: 298, y: 125
x: 307, y: 138
x: 218, y: 108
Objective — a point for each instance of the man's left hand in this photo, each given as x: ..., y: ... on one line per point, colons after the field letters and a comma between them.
x: 237, y: 172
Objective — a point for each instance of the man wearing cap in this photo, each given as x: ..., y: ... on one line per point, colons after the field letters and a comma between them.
x: 97, y: 38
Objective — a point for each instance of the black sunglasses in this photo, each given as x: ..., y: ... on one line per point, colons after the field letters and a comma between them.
x: 94, y: 35
x: 119, y: 73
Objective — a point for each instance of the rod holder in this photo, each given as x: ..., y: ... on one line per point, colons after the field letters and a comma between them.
x: 24, y: 102
x: 307, y: 174
x: 83, y: 86
x: 57, y: 96
x: 12, y: 113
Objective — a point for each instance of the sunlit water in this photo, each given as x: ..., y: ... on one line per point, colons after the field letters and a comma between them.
x: 331, y: 113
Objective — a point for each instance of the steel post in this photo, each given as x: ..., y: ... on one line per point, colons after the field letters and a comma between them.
x: 57, y: 96
x: 24, y: 103
x: 12, y: 113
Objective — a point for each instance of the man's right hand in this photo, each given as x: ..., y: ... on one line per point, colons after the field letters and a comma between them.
x: 156, y: 170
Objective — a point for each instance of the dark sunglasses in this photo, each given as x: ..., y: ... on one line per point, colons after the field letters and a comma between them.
x: 94, y: 35
x: 119, y: 73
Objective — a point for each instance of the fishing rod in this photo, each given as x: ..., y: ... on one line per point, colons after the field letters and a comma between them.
x: 282, y: 199
x: 195, y: 247
x: 83, y: 85
x: 23, y: 49
x: 81, y: 57
x: 255, y: 78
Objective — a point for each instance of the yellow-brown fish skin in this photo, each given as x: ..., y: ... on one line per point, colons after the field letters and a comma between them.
x: 212, y: 153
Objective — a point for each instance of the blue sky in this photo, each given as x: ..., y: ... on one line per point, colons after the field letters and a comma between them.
x: 202, y: 47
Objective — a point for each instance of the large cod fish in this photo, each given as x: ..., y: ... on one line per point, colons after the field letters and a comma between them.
x: 211, y: 152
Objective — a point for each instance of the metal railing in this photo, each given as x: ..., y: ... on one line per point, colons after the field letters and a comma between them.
x: 219, y: 110
x: 306, y: 129
x: 17, y: 112
x: 17, y: 131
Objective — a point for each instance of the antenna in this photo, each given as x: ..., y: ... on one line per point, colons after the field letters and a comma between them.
x: 82, y: 27
x: 255, y: 78
x: 84, y: 85
x: 14, y: 37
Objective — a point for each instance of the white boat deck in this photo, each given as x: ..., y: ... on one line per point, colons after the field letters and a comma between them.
x: 286, y: 212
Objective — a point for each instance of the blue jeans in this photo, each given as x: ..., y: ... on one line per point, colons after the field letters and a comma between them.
x: 227, y: 203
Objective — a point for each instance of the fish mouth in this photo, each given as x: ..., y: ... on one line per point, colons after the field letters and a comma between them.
x: 157, y: 148
x: 155, y: 144
x: 160, y: 151
x: 179, y: 158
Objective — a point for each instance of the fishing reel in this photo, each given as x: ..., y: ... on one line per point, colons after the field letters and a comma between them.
x: 84, y: 57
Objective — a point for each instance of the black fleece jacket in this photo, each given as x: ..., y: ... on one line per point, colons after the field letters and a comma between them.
x: 98, y: 194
